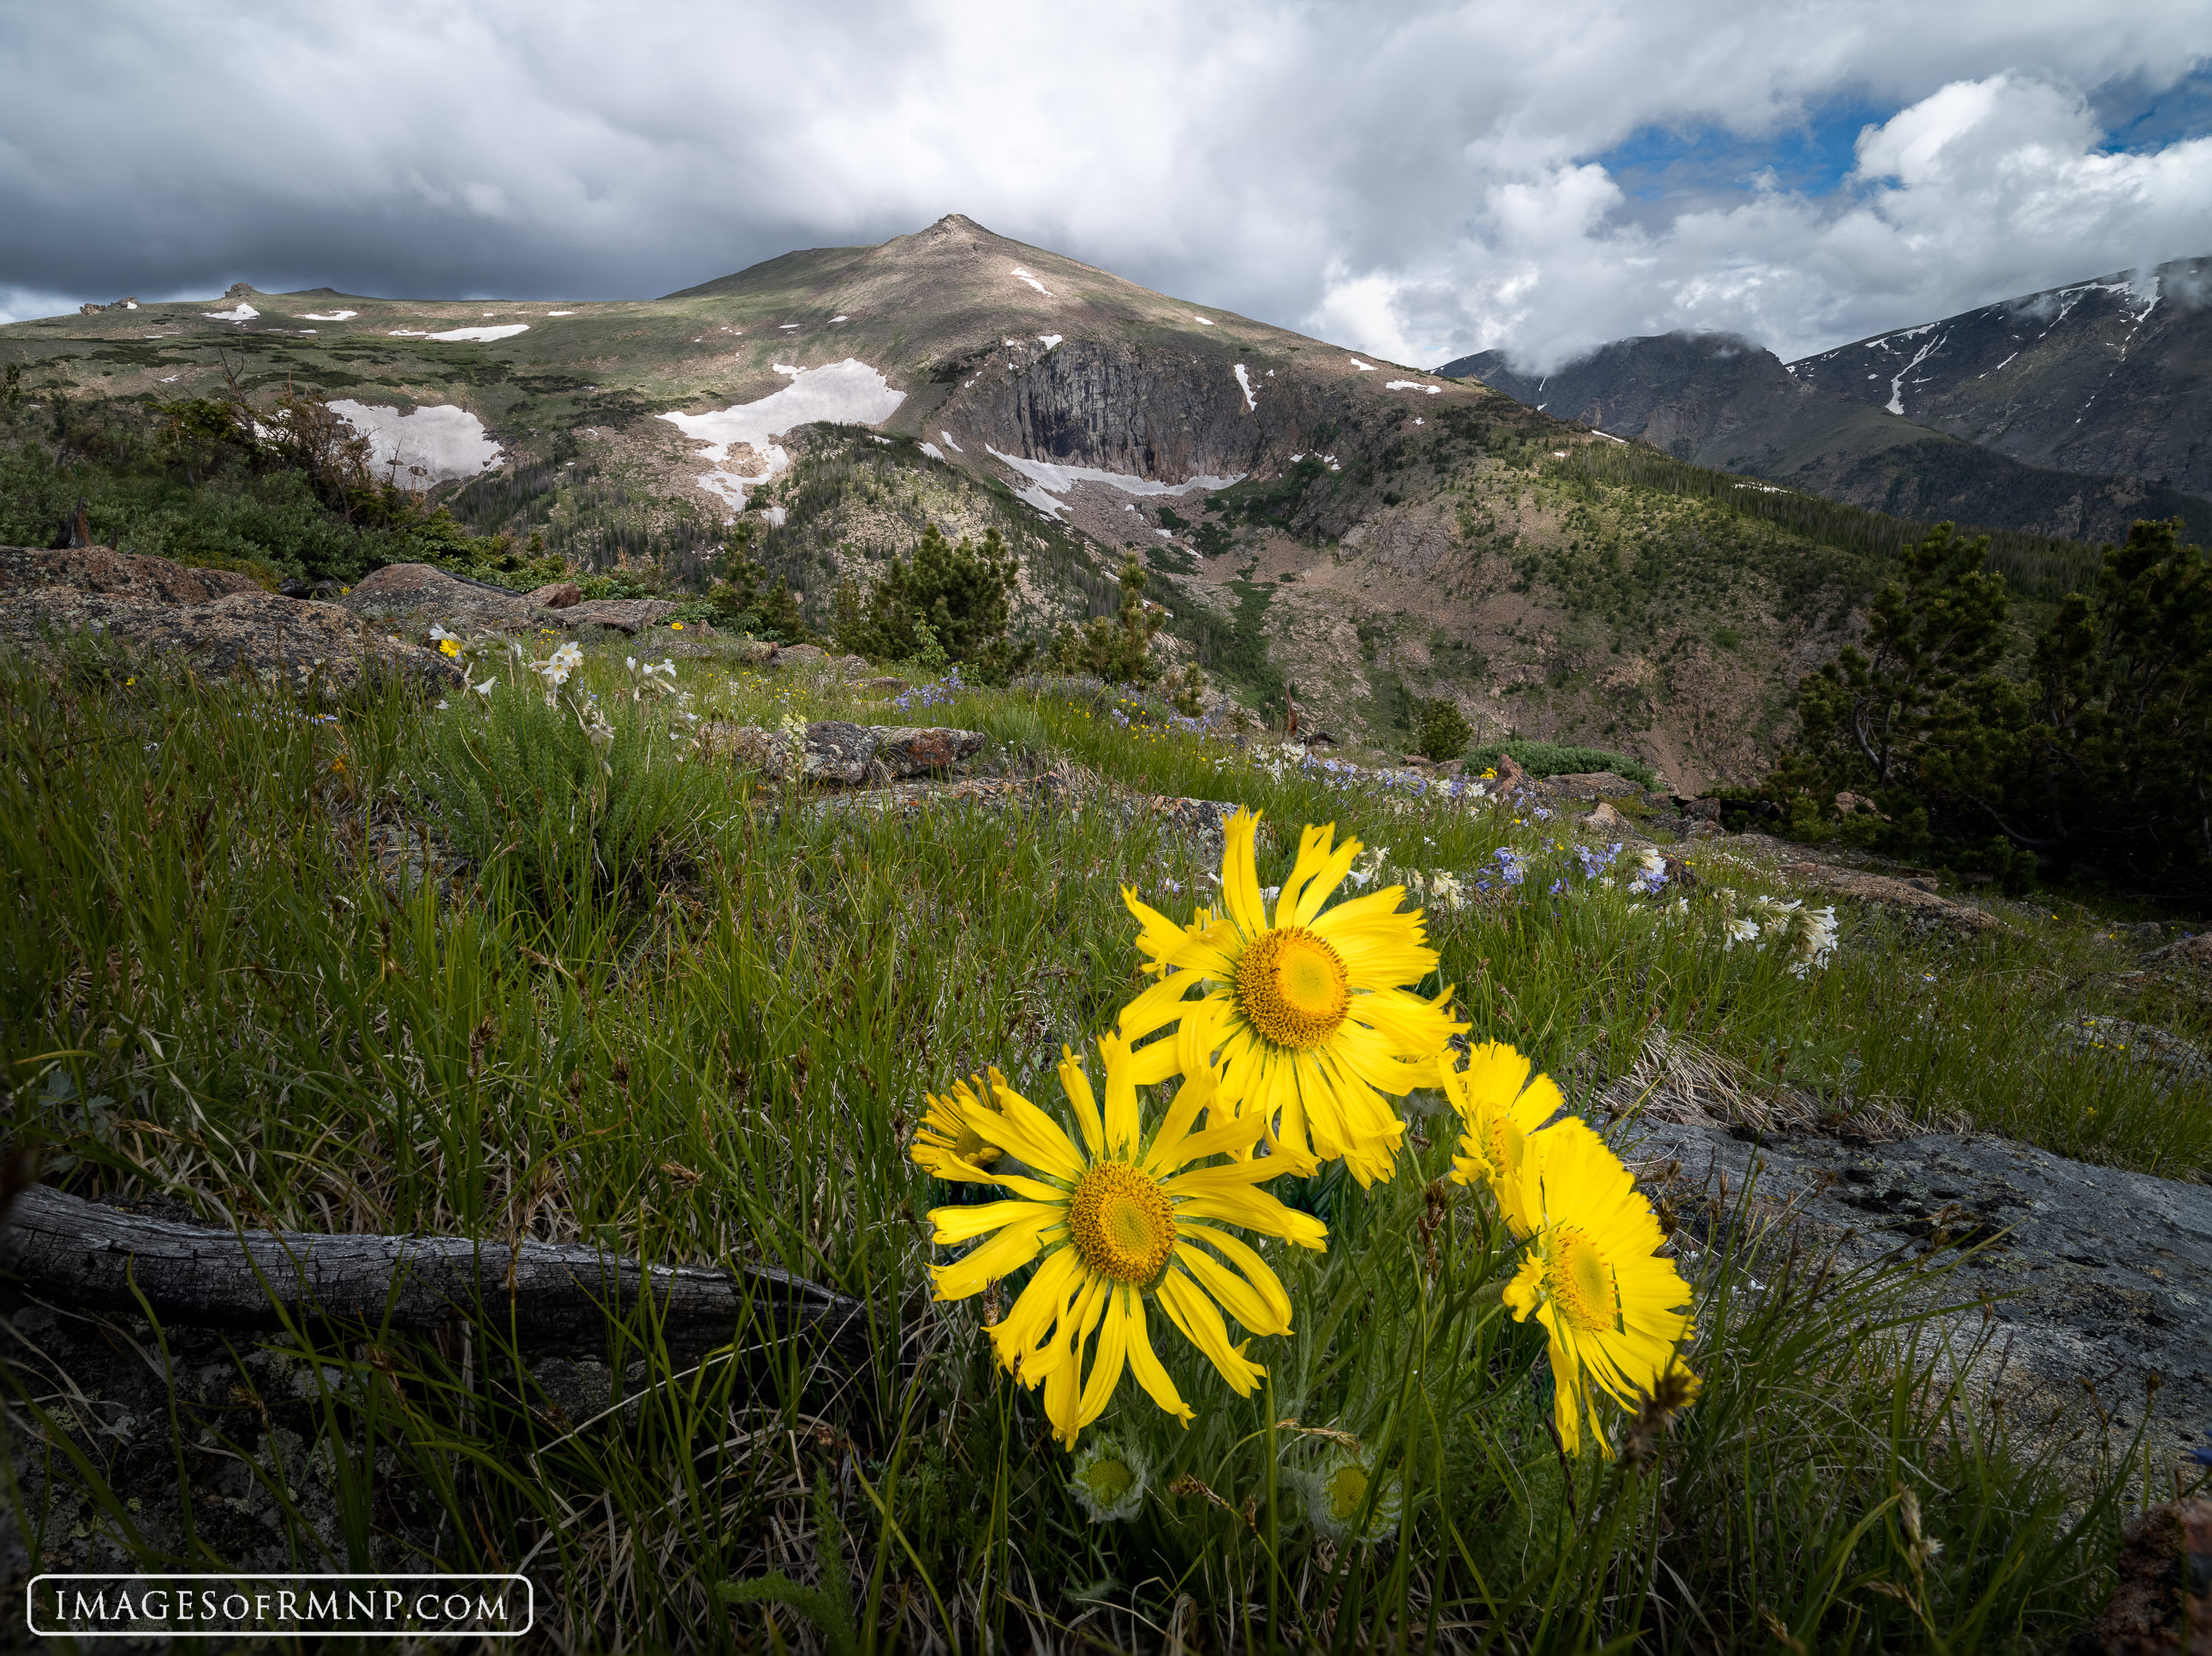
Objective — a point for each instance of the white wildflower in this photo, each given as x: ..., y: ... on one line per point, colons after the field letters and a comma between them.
x: 1812, y: 941
x: 1370, y: 866
x: 485, y: 689
x: 1739, y: 930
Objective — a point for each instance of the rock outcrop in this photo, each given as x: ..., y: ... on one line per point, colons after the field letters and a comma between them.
x: 836, y: 753
x: 221, y: 625
x: 423, y: 592
x: 1916, y: 902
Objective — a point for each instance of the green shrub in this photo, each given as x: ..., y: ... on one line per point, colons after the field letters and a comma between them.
x: 1440, y: 729
x: 1549, y: 759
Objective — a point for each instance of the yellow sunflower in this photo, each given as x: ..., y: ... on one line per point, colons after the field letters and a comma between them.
x: 1616, y: 1312
x: 1305, y: 1015
x: 1500, y: 1104
x: 1118, y: 1221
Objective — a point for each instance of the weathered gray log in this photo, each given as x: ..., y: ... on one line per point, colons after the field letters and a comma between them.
x: 542, y: 1296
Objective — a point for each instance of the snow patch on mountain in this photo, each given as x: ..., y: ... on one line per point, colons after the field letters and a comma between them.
x: 332, y: 316
x: 1032, y: 281
x: 429, y: 445
x: 1244, y: 384
x: 1048, y: 481
x: 242, y: 313
x: 849, y: 392
x: 481, y: 335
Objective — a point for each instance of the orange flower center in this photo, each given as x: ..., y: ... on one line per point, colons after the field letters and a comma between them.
x: 1292, y: 986
x: 1580, y: 1283
x: 1120, y: 1222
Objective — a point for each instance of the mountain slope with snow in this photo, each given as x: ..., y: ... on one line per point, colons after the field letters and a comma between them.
x: 2070, y: 413
x: 1350, y: 533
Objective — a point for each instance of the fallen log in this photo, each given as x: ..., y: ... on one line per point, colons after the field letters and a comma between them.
x: 541, y: 1295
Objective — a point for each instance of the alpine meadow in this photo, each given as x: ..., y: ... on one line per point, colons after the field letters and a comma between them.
x: 921, y: 950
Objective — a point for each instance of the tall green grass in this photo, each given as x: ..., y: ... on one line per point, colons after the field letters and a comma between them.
x: 703, y: 1034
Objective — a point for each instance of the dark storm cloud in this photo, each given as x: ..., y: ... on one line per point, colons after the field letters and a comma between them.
x: 1415, y: 180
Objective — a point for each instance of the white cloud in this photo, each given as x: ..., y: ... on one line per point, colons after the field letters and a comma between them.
x: 1415, y: 181
x: 1981, y: 189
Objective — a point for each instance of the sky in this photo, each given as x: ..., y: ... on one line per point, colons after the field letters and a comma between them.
x: 1415, y: 180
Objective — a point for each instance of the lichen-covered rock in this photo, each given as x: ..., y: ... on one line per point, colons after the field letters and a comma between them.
x: 801, y: 655
x: 2189, y: 955
x: 556, y: 595
x: 1606, y: 820
x: 1913, y: 901
x: 774, y: 752
x: 907, y: 751
x: 853, y: 666
x: 752, y: 652
x: 2088, y: 1271
x: 837, y: 752
x: 309, y: 645
x: 885, y: 686
x: 623, y: 614
x: 423, y: 592
x: 1589, y: 784
x: 118, y: 575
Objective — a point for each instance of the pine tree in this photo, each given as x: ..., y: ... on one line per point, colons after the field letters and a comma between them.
x: 952, y: 600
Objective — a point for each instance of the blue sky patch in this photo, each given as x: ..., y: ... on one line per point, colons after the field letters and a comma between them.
x: 1665, y: 171
x: 2136, y: 119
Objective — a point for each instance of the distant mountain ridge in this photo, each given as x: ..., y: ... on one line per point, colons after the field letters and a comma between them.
x: 2070, y: 412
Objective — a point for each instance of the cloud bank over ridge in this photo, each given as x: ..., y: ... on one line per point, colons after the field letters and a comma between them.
x: 1417, y: 181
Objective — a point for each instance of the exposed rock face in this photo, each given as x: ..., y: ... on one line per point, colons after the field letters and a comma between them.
x: 423, y: 591
x: 2190, y: 954
x: 121, y: 574
x: 1913, y: 901
x: 221, y: 624
x: 623, y: 614
x: 836, y: 753
x: 2107, y: 1274
x: 770, y: 751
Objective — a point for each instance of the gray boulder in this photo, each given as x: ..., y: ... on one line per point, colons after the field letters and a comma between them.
x: 837, y: 752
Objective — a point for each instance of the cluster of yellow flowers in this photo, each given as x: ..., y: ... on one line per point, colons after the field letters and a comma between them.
x: 1289, y: 1033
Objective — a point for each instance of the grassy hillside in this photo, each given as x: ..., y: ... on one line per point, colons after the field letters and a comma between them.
x: 667, y: 1009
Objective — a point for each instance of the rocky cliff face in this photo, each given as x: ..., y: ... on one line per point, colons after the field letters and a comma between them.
x: 2110, y: 376
x: 1829, y: 425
